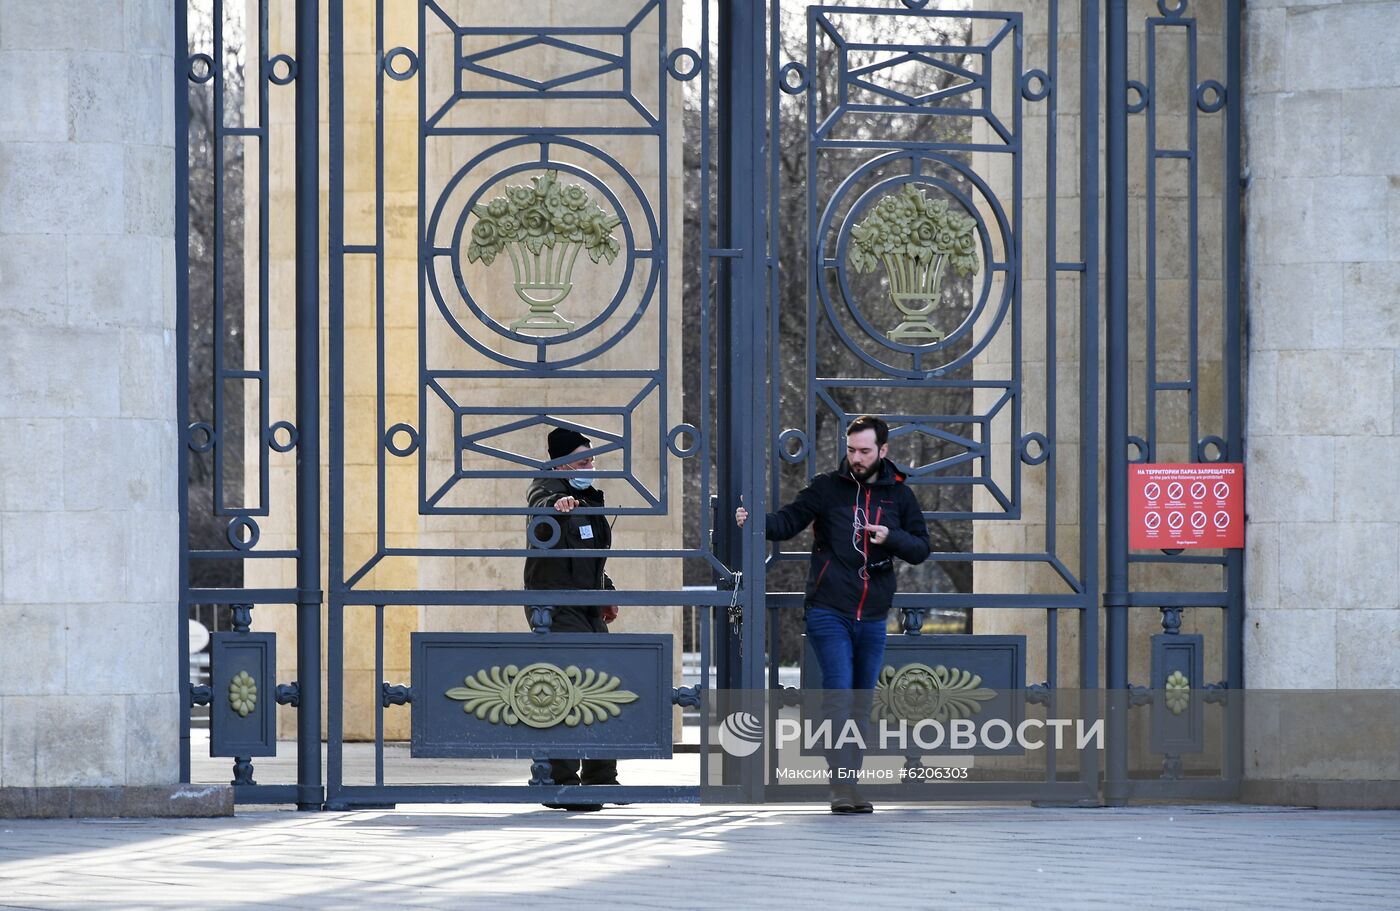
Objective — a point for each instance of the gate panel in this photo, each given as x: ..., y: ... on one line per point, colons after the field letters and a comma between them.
x: 930, y: 159
x: 1175, y: 619
x: 247, y: 331
x: 523, y: 698
x: 505, y: 220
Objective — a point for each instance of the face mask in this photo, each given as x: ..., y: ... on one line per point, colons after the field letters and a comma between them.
x: 580, y: 483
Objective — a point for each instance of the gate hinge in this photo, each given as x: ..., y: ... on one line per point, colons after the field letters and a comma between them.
x: 201, y: 694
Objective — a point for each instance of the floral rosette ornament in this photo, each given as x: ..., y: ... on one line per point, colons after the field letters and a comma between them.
x: 542, y: 695
x: 917, y: 692
x: 543, y: 228
x: 917, y: 240
x: 1178, y: 693
x: 242, y: 694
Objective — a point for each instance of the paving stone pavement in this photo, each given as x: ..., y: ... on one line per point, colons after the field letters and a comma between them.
x: 711, y: 857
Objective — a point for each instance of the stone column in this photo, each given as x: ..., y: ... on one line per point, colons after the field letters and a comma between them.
x: 89, y: 676
x: 1323, y: 258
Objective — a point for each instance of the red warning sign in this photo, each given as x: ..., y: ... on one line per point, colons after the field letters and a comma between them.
x: 1193, y: 505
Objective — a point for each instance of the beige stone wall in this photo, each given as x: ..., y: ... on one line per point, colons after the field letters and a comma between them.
x: 89, y: 542
x: 444, y: 349
x: 1323, y: 252
x: 1323, y: 255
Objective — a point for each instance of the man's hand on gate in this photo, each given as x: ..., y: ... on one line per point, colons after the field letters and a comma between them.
x: 741, y: 515
x: 565, y: 504
x: 609, y: 613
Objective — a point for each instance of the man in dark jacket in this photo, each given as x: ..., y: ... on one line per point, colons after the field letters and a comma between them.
x: 864, y: 517
x: 576, y: 532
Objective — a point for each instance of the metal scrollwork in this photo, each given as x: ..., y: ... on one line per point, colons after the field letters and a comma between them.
x: 541, y: 618
x: 242, y: 771
x: 242, y: 617
x: 917, y: 692
x: 1171, y: 620
x: 400, y: 71
x: 542, y: 695
x: 1217, y: 693
x: 289, y: 694
x: 394, y: 694
x: 686, y: 696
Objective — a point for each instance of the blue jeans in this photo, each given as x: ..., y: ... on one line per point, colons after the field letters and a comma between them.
x: 850, y: 653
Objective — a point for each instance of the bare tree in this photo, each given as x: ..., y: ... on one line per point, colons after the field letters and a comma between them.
x: 216, y: 224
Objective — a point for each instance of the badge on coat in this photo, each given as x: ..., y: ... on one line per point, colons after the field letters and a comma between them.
x: 586, y: 532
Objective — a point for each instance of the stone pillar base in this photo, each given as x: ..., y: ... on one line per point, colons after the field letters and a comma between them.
x: 1330, y: 794
x: 75, y: 803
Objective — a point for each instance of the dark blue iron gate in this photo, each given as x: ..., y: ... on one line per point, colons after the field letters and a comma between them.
x: 835, y: 123
x: 912, y: 108
x: 1177, y: 165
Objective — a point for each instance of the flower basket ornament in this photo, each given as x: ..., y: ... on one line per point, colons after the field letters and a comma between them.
x: 543, y: 228
x: 916, y: 240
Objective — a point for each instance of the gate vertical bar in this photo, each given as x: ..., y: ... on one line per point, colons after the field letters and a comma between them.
x: 741, y: 37
x: 1089, y: 366
x: 727, y: 448
x: 308, y: 368
x: 749, y: 64
x: 182, y: 358
x: 1234, y: 401
x: 729, y: 445
x: 335, y: 379
x: 748, y: 38
x: 741, y: 360
x: 1116, y: 398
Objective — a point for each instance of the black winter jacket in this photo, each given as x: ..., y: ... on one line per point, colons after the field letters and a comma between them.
x: 590, y: 532
x: 858, y: 581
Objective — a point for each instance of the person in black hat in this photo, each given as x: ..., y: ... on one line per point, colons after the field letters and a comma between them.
x: 568, y: 448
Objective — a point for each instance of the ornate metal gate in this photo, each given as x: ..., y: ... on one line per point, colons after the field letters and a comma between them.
x: 678, y: 227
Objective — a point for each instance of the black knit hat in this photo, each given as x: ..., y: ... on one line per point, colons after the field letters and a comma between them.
x: 563, y: 441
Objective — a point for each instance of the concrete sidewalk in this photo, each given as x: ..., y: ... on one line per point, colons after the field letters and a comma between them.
x: 711, y: 857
